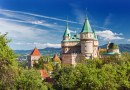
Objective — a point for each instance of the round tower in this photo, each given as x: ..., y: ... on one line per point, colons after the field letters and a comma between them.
x: 87, y: 40
x: 66, y: 37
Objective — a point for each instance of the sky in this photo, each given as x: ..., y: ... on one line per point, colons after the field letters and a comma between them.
x: 42, y: 23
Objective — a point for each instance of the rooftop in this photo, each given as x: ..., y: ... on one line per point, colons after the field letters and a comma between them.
x: 35, y: 52
x: 43, y: 73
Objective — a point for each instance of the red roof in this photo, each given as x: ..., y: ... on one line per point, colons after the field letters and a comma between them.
x: 35, y: 52
x: 49, y: 80
x: 43, y: 73
x: 56, y: 58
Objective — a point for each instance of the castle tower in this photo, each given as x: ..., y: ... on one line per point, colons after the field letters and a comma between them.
x: 67, y: 35
x: 66, y: 38
x: 33, y: 57
x: 95, y: 45
x: 87, y: 40
x: 56, y: 59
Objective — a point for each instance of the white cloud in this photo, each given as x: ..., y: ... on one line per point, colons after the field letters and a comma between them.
x: 78, y: 13
x: 4, y: 11
x: 20, y: 32
x: 128, y: 40
x: 107, y: 20
x: 73, y: 31
x: 108, y: 35
x: 55, y: 23
x: 40, y: 45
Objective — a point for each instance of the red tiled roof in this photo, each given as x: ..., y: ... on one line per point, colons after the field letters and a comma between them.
x: 56, y: 58
x: 35, y: 52
x: 43, y: 73
x: 49, y: 80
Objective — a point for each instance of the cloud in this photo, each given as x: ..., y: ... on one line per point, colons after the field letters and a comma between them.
x: 108, y: 35
x: 107, y: 20
x: 73, y: 31
x: 128, y: 40
x: 3, y: 11
x: 24, y: 33
x: 40, y: 45
x: 80, y: 16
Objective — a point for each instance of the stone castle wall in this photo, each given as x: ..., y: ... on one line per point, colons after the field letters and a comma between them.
x: 32, y: 58
x: 113, y: 50
x: 70, y: 59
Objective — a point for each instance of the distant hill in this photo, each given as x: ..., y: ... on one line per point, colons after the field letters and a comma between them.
x: 51, y: 51
x: 45, y: 52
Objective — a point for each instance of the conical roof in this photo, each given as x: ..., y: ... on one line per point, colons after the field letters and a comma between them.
x: 95, y: 36
x: 56, y: 58
x: 35, y: 52
x: 86, y: 27
x: 67, y: 32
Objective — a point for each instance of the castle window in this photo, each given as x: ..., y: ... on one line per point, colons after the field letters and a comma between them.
x: 70, y: 49
x: 85, y: 50
x: 73, y: 51
x: 85, y: 46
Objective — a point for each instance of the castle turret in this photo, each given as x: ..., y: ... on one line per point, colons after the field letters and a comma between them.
x: 87, y: 38
x: 95, y: 47
x: 33, y: 57
x: 67, y: 35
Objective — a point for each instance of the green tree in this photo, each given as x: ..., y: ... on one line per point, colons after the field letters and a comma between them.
x: 95, y: 75
x: 23, y: 64
x: 8, y: 64
x: 30, y: 80
x: 47, y: 59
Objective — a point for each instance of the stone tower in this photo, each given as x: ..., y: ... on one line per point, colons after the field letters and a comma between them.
x: 66, y: 35
x: 87, y: 40
x: 80, y: 45
x: 33, y: 57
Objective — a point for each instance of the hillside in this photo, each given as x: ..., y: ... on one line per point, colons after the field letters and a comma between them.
x: 51, y: 51
x: 45, y: 52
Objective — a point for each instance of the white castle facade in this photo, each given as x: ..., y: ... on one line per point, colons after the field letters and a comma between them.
x: 80, y: 45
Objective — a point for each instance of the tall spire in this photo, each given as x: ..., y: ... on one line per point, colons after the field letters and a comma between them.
x: 95, y: 36
x: 86, y: 13
x: 67, y: 32
x: 86, y: 27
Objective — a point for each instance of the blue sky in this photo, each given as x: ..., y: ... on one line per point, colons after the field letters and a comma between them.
x: 42, y: 23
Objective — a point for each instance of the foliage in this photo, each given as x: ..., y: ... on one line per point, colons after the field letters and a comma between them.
x: 47, y: 59
x: 57, y: 67
x: 23, y: 64
x: 101, y: 53
x: 44, y: 63
x: 110, y: 73
x: 8, y: 64
x: 30, y: 80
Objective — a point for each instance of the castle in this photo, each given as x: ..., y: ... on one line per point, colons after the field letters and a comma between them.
x: 111, y: 50
x: 84, y: 44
